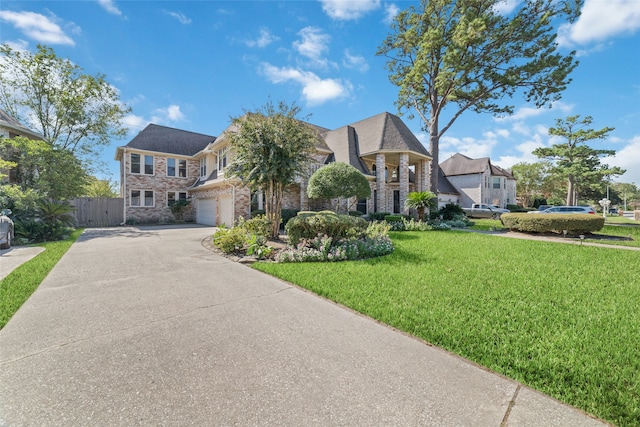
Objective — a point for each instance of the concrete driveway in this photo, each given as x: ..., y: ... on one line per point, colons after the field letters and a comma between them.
x: 144, y: 326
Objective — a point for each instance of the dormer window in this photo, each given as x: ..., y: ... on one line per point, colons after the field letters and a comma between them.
x: 203, y: 167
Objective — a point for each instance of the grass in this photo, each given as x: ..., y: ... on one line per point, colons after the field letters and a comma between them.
x: 18, y: 286
x: 562, y: 319
x: 622, y: 227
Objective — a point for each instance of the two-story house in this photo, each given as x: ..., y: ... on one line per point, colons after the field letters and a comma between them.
x: 161, y: 164
x: 479, y: 181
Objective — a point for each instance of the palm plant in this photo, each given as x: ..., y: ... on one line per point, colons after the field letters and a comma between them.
x: 419, y: 200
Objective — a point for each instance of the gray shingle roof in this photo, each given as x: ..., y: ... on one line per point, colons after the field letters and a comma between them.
x: 385, y: 132
x: 444, y: 185
x: 164, y: 139
x: 8, y: 121
x: 344, y: 144
x: 459, y: 164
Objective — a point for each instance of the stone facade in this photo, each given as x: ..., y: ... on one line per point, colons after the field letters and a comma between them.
x: 161, y: 185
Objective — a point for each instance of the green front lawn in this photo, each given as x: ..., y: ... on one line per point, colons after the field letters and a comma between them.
x: 18, y: 286
x: 560, y: 318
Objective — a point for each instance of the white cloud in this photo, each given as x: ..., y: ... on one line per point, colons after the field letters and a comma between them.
x: 345, y: 10
x: 181, y: 17
x: 505, y: 7
x: 628, y: 158
x: 134, y: 123
x: 315, y: 90
x: 313, y: 45
x: 110, y: 7
x: 355, y: 61
x: 469, y: 146
x: 390, y: 12
x: 37, y: 27
x: 171, y: 114
x: 265, y: 39
x: 602, y: 19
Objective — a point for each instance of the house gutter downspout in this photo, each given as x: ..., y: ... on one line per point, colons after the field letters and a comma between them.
x: 123, y: 171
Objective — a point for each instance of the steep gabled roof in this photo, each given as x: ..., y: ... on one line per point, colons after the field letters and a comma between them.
x: 164, y: 139
x: 459, y: 164
x: 385, y: 132
x: 444, y: 185
x: 344, y: 144
x: 498, y: 171
x: 10, y: 122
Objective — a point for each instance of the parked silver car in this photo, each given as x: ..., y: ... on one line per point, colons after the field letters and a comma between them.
x: 6, y: 229
x: 568, y: 210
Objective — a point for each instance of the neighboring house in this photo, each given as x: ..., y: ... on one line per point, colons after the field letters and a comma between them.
x: 381, y: 147
x: 10, y: 128
x: 479, y: 181
x: 447, y: 193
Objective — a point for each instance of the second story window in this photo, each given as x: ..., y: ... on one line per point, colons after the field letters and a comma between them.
x: 223, y: 155
x: 203, y: 167
x: 176, y: 166
x: 136, y: 164
x: 496, y: 182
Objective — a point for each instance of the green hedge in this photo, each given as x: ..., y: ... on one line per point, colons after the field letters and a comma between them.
x: 378, y: 216
x: 554, y: 223
x: 308, y: 225
x: 396, y: 218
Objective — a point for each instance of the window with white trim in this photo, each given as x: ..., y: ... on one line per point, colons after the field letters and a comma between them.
x: 223, y: 155
x: 172, y: 196
x: 496, y: 182
x: 141, y: 198
x: 177, y: 167
x: 203, y: 167
x: 137, y: 164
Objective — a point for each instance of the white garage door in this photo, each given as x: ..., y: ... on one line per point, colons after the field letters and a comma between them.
x: 226, y: 209
x: 206, y: 213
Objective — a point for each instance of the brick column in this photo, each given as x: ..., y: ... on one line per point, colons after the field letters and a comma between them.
x: 381, y: 185
x: 419, y: 185
x: 304, y: 200
x: 425, y: 175
x: 404, y: 180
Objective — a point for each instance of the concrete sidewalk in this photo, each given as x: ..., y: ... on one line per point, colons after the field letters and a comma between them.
x: 12, y: 258
x: 144, y: 326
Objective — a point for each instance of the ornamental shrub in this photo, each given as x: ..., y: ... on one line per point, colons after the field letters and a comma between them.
x: 450, y: 211
x: 552, y: 223
x: 309, y: 225
x: 230, y: 240
x: 378, y: 216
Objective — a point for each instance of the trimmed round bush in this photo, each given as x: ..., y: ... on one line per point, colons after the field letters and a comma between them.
x: 552, y: 223
x: 308, y: 225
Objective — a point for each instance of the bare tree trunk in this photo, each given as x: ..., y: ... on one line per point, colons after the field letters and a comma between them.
x: 571, y: 192
x: 434, y: 166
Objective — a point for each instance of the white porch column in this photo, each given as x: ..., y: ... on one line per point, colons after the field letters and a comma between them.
x: 381, y: 185
x: 404, y: 180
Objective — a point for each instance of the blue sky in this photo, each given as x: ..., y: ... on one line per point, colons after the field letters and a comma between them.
x: 194, y: 64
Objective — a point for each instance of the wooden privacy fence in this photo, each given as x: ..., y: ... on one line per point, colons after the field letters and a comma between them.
x: 98, y: 211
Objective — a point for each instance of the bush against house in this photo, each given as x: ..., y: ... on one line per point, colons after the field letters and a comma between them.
x: 339, y: 181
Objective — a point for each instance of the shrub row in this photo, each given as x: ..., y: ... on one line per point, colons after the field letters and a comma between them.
x: 308, y: 225
x: 554, y: 223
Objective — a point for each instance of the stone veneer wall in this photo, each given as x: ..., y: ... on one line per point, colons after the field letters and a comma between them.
x: 160, y: 184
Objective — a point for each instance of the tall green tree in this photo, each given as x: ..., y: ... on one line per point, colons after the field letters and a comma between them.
x: 270, y: 149
x: 52, y: 172
x: 452, y: 56
x: 73, y: 111
x: 578, y: 163
x: 530, y: 179
x: 338, y: 180
x: 100, y: 188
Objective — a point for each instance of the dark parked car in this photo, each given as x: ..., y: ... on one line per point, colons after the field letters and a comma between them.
x: 6, y: 229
